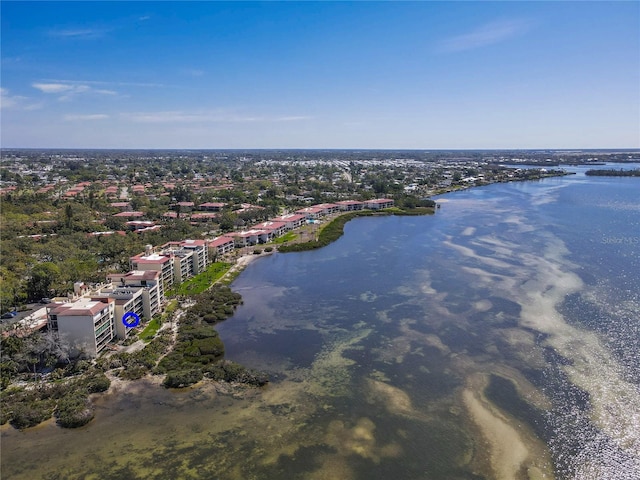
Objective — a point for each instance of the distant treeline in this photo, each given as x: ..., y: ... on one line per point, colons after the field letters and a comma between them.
x: 614, y: 173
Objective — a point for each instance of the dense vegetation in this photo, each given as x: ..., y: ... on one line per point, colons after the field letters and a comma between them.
x: 335, y: 229
x: 63, y: 252
x: 613, y: 173
x: 67, y: 399
x: 198, y: 350
x: 328, y: 234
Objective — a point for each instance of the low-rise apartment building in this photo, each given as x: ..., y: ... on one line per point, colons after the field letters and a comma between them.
x: 248, y: 237
x: 221, y: 246
x: 350, y: 205
x: 378, y: 203
x: 311, y: 213
x: 292, y: 220
x: 328, y: 208
x: 275, y: 228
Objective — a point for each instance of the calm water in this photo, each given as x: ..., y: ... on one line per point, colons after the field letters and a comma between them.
x: 499, y: 338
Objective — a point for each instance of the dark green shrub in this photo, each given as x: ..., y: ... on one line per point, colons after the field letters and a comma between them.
x: 59, y: 390
x: 210, y: 346
x: 97, y: 383
x: 173, y: 361
x: 77, y: 367
x: 234, y: 372
x: 210, y: 318
x: 74, y: 411
x: 25, y: 415
x: 134, y: 372
x: 182, y: 378
x: 192, y: 351
x: 214, y: 371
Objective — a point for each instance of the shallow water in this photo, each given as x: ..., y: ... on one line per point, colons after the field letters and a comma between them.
x: 498, y: 338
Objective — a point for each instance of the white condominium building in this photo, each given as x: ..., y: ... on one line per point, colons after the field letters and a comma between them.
x: 87, y: 323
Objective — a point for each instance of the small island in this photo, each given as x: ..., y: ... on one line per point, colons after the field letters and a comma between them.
x: 613, y: 173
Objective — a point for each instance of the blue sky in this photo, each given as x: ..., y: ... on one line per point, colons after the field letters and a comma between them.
x: 415, y: 75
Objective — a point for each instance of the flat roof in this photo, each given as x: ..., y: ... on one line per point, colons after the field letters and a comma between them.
x: 270, y: 225
x: 129, y: 214
x: 81, y: 308
x: 137, y: 275
x: 290, y: 217
x: 153, y: 258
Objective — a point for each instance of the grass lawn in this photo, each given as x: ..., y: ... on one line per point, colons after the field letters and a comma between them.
x: 286, y: 238
x: 154, y: 325
x: 204, y: 280
x: 151, y: 329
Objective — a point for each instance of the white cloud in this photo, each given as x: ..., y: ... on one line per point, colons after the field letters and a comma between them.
x: 78, y: 32
x: 106, y: 83
x: 83, y: 117
x: 52, y: 87
x: 17, y: 102
x: 168, y: 117
x: 293, y: 118
x: 206, y: 117
x: 102, y: 91
x: 8, y: 101
x: 67, y: 90
x: 485, y: 35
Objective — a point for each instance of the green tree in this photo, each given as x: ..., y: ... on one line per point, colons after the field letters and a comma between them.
x: 43, y: 275
x: 10, y: 289
x: 68, y: 215
x: 228, y: 221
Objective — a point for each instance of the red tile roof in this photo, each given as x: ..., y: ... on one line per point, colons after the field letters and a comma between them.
x: 129, y: 214
x: 220, y: 241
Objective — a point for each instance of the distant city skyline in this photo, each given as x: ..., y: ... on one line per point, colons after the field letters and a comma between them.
x: 320, y: 75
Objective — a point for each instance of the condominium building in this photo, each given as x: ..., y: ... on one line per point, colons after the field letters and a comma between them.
x: 126, y: 299
x: 292, y: 220
x: 350, y: 205
x: 248, y: 237
x: 200, y: 254
x: 221, y: 246
x: 378, y: 203
x: 182, y: 265
x: 87, y: 323
x: 328, y: 208
x: 275, y: 229
x: 154, y: 262
x: 311, y: 213
x: 149, y: 280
